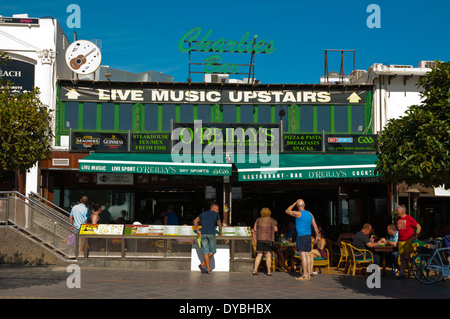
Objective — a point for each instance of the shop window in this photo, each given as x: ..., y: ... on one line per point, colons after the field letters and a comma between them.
x: 340, y: 118
x: 204, y: 113
x: 358, y: 123
x: 247, y: 112
x: 169, y: 113
x: 116, y: 202
x: 90, y: 116
x: 323, y: 118
x: 306, y: 118
x: 108, y: 116
x: 125, y: 117
x: 186, y: 113
x: 229, y: 113
x: 151, y: 117
x: 264, y: 114
x: 71, y: 115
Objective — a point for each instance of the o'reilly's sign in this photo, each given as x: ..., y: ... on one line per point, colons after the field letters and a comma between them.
x: 212, y: 96
x: 250, y: 138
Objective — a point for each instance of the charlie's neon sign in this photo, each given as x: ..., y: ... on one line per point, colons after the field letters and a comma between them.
x: 212, y: 63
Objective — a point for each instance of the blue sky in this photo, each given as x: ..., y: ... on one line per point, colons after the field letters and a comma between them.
x: 139, y: 36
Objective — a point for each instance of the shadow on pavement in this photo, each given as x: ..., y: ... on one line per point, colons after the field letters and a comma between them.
x: 14, y: 276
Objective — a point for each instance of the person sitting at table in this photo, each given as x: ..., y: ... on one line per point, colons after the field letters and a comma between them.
x: 318, y: 248
x: 361, y: 240
x: 392, y: 240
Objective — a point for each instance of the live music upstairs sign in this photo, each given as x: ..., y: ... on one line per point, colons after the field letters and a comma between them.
x: 197, y: 95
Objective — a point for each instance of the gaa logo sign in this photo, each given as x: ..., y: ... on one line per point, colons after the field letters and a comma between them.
x: 366, y: 139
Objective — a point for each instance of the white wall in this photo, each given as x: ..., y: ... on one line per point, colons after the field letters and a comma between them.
x: 392, y: 98
x: 40, y: 46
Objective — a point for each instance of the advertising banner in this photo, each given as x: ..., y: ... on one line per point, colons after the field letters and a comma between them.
x: 94, y: 141
x: 248, y: 138
x: 329, y: 143
x: 20, y: 74
x: 335, y: 143
x: 212, y: 96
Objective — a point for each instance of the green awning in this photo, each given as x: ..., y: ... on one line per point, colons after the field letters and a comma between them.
x: 146, y: 163
x: 305, y: 166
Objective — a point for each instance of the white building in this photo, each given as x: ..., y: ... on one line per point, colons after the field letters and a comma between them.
x: 395, y: 89
x: 37, y: 49
x: 34, y: 46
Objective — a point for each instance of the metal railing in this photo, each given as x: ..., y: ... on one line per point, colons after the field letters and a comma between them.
x: 38, y: 198
x: 44, y: 223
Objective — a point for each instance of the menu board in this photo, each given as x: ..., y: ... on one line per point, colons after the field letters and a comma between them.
x: 101, y: 229
x: 241, y: 231
x: 158, y: 230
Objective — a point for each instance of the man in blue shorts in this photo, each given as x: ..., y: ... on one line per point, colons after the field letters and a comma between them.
x: 303, y: 221
x: 208, y: 235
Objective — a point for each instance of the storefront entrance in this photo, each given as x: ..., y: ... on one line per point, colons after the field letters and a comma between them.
x: 188, y: 204
x: 336, y: 205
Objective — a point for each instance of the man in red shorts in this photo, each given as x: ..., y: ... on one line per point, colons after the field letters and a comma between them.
x: 408, y: 231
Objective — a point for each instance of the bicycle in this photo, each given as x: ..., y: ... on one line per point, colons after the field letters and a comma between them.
x: 430, y: 265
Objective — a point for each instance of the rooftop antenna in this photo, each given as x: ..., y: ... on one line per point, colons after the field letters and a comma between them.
x: 342, y: 70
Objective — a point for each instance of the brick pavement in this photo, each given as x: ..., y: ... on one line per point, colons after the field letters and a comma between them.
x: 48, y: 282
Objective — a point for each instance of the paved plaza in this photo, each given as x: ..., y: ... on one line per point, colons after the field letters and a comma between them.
x: 50, y: 282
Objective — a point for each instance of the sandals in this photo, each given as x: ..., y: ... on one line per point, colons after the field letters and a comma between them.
x: 203, y: 270
x: 254, y: 273
x: 303, y: 278
x: 269, y: 274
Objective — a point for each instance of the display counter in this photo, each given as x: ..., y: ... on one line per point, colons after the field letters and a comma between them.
x: 159, y: 242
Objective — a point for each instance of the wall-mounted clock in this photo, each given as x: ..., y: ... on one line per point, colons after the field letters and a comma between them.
x: 83, y: 57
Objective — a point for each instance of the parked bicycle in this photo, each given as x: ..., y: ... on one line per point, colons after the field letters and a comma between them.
x: 432, y: 264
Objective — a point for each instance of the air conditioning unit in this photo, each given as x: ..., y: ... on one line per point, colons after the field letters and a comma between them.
x: 427, y: 64
x: 398, y: 66
x: 356, y: 74
x: 216, y: 78
x: 60, y: 162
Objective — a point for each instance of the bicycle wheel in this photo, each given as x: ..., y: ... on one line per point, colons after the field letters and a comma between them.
x: 418, y: 265
x: 433, y: 269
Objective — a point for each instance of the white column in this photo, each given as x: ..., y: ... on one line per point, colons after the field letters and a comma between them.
x: 43, y: 80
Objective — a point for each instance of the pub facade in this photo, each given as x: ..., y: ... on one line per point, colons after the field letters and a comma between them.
x: 139, y: 147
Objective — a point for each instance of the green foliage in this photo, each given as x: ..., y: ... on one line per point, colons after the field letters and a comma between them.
x: 25, y: 130
x: 416, y: 148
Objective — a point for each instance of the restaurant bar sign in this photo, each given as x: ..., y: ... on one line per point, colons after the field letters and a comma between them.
x: 226, y: 137
x: 151, y: 142
x: 212, y: 96
x: 306, y: 174
x: 329, y: 143
x: 194, y: 40
x: 19, y: 74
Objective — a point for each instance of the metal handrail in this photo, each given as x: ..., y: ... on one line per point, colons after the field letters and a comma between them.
x: 38, y: 208
x: 52, y: 205
x: 39, y: 205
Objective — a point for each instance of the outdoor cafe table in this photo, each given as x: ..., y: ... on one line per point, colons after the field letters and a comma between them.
x: 284, y: 247
x: 384, y: 249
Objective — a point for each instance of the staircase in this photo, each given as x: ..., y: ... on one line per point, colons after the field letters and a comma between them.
x: 41, y: 221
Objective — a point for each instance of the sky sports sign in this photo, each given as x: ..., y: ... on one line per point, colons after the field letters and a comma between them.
x: 352, y: 143
x: 212, y: 96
